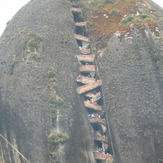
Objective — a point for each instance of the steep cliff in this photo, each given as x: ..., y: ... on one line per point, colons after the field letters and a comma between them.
x: 133, y: 92
x: 38, y: 69
x: 131, y: 69
x: 40, y: 36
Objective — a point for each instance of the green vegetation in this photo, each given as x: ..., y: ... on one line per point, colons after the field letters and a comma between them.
x: 12, y: 35
x: 64, y: 42
x: 52, y: 157
x: 32, y: 44
x: 136, y: 19
x: 109, y: 1
x: 156, y: 57
x: 142, y: 27
x: 57, y: 137
x: 2, y: 40
x: 115, y: 12
x: 55, y: 101
x: 143, y: 16
x: 13, y: 63
x: 95, y: 3
x: 128, y: 19
x: 52, y: 73
x: 22, y: 30
x: 116, y: 20
x: 7, y: 37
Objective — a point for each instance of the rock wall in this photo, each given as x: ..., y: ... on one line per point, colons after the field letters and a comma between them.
x: 24, y: 85
x: 133, y: 94
x: 131, y: 71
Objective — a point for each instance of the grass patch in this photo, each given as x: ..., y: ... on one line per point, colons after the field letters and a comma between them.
x: 2, y: 41
x: 33, y: 42
x: 115, y: 12
x: 54, y: 139
x: 13, y: 64
x: 156, y: 57
x: 55, y: 101
x: 52, y: 157
x: 143, y: 16
x: 52, y: 73
x: 57, y: 137
x: 11, y: 36
x: 53, y: 111
x: 109, y: 1
x: 128, y: 19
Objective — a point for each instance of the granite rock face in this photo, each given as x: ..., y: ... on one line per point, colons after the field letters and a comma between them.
x: 24, y: 85
x: 132, y: 85
x: 131, y: 70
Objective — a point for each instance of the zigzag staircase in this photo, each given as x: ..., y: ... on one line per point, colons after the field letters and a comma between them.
x: 91, y: 89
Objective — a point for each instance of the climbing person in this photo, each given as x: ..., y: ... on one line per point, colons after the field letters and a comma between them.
x: 100, y: 149
x: 96, y: 115
x: 79, y: 77
x: 98, y: 134
x: 103, y: 152
x: 92, y: 115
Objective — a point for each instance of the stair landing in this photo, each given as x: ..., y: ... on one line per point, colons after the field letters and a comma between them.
x: 80, y: 24
x: 85, y: 80
x: 90, y: 105
x: 88, y: 68
x: 82, y: 38
x: 74, y: 9
x: 100, y: 156
x: 86, y: 88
